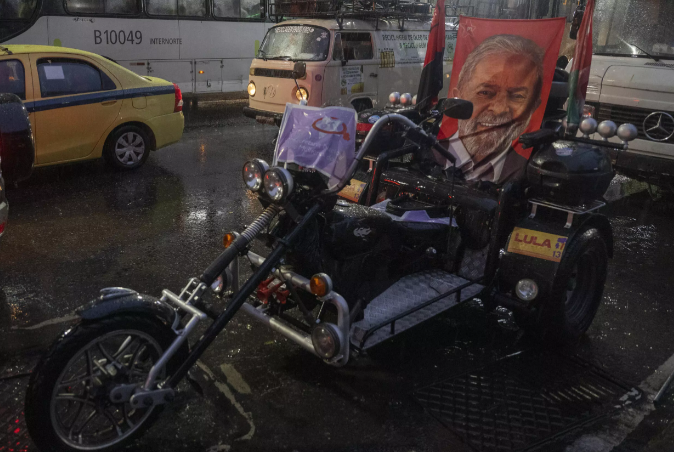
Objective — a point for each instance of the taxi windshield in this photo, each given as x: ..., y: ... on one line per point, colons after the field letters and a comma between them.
x: 295, y: 42
x: 634, y: 28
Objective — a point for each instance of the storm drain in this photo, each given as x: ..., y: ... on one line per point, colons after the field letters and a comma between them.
x: 13, y: 433
x: 525, y: 401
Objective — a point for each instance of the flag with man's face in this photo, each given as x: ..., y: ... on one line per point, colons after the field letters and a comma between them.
x: 580, y: 69
x: 431, y: 75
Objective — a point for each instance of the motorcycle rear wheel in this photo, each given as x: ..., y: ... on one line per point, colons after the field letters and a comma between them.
x: 576, y: 292
x: 68, y: 407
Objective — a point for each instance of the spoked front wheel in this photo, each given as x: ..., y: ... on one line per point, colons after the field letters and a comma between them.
x: 68, y: 405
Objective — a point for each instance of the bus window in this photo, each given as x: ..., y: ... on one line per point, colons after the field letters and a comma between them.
x: 162, y: 7
x: 192, y: 8
x: 12, y: 78
x: 240, y: 9
x: 102, y: 6
x: 122, y: 6
x: 85, y: 6
x: 17, y: 9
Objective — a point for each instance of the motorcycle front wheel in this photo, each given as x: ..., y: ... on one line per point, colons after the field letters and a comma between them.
x: 68, y: 406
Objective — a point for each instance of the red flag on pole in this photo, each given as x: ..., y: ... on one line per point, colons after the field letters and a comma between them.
x: 580, y: 68
x: 431, y: 75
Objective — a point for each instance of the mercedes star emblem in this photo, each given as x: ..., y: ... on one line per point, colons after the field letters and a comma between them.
x: 659, y: 126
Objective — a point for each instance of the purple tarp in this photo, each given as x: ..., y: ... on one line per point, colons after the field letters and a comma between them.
x: 323, y: 139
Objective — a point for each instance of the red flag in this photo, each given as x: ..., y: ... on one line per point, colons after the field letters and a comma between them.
x: 431, y: 75
x: 580, y: 69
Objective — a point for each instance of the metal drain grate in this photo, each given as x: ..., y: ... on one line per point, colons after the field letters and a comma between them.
x: 13, y: 432
x: 523, y: 401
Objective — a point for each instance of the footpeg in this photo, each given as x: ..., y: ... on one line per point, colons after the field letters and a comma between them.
x: 146, y: 399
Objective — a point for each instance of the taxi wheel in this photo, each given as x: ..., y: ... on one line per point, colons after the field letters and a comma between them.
x: 127, y: 148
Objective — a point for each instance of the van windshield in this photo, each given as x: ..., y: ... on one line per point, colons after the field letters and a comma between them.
x: 295, y: 42
x: 634, y: 28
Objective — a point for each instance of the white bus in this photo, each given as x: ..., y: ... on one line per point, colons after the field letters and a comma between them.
x: 204, y: 46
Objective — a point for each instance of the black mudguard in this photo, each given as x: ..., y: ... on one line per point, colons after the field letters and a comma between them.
x: 117, y: 300
x: 515, y: 266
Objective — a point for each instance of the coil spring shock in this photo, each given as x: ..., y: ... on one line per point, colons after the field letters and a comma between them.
x: 260, y: 222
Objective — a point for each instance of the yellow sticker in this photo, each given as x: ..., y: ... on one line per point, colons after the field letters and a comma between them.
x: 353, y: 191
x: 537, y: 244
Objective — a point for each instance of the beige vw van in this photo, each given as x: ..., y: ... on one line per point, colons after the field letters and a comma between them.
x: 356, y: 65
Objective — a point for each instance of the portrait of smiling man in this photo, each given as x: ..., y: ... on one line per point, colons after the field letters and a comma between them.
x: 503, y: 78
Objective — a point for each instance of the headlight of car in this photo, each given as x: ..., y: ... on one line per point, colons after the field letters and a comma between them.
x: 278, y: 184
x: 302, y: 94
x: 251, y: 89
x: 252, y: 172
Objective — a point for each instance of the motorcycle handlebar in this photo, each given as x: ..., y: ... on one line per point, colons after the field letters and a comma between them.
x: 414, y: 133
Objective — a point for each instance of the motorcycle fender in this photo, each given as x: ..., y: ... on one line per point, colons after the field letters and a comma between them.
x: 113, y: 301
x: 534, y: 250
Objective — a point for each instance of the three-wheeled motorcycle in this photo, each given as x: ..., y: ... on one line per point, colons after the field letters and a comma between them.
x: 339, y: 277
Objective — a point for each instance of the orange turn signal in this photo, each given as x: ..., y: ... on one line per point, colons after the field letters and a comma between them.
x: 320, y: 285
x: 228, y: 239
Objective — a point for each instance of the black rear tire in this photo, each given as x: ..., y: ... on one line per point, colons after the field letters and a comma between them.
x: 576, y: 292
x: 127, y: 148
x: 40, y: 414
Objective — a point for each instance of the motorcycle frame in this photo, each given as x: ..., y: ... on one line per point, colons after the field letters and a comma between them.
x: 193, y: 291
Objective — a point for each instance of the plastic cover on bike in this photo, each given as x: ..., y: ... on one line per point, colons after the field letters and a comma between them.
x: 323, y: 139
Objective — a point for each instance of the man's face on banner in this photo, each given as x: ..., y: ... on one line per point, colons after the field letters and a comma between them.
x: 502, y: 89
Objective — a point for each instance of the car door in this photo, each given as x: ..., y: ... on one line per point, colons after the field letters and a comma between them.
x: 15, y: 78
x: 75, y: 102
x: 353, y: 54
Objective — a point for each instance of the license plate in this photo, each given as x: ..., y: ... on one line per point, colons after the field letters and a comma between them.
x: 537, y: 244
x: 353, y: 191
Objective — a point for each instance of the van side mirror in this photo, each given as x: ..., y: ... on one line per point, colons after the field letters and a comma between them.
x: 263, y: 9
x: 575, y: 22
x: 299, y: 70
x: 456, y: 108
x: 17, y: 148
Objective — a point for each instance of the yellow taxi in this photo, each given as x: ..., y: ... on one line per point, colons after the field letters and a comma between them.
x: 83, y: 106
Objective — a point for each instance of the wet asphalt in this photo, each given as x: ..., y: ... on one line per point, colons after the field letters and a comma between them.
x: 77, y: 228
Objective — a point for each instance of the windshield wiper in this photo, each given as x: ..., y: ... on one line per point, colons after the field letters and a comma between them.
x: 282, y: 57
x: 654, y: 58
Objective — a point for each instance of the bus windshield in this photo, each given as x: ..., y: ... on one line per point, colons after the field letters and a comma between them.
x: 634, y: 28
x: 295, y: 42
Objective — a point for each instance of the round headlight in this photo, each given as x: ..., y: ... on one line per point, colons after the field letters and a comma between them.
x: 406, y: 99
x: 251, y: 89
x: 326, y: 340
x: 526, y: 289
x: 253, y: 172
x: 278, y: 184
x: 302, y: 94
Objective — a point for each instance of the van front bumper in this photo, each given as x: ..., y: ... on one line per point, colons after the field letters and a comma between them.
x: 263, y: 117
x: 643, y: 167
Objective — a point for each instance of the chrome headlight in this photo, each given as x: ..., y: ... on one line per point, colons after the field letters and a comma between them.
x: 277, y: 184
x: 526, y: 289
x: 252, y: 172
